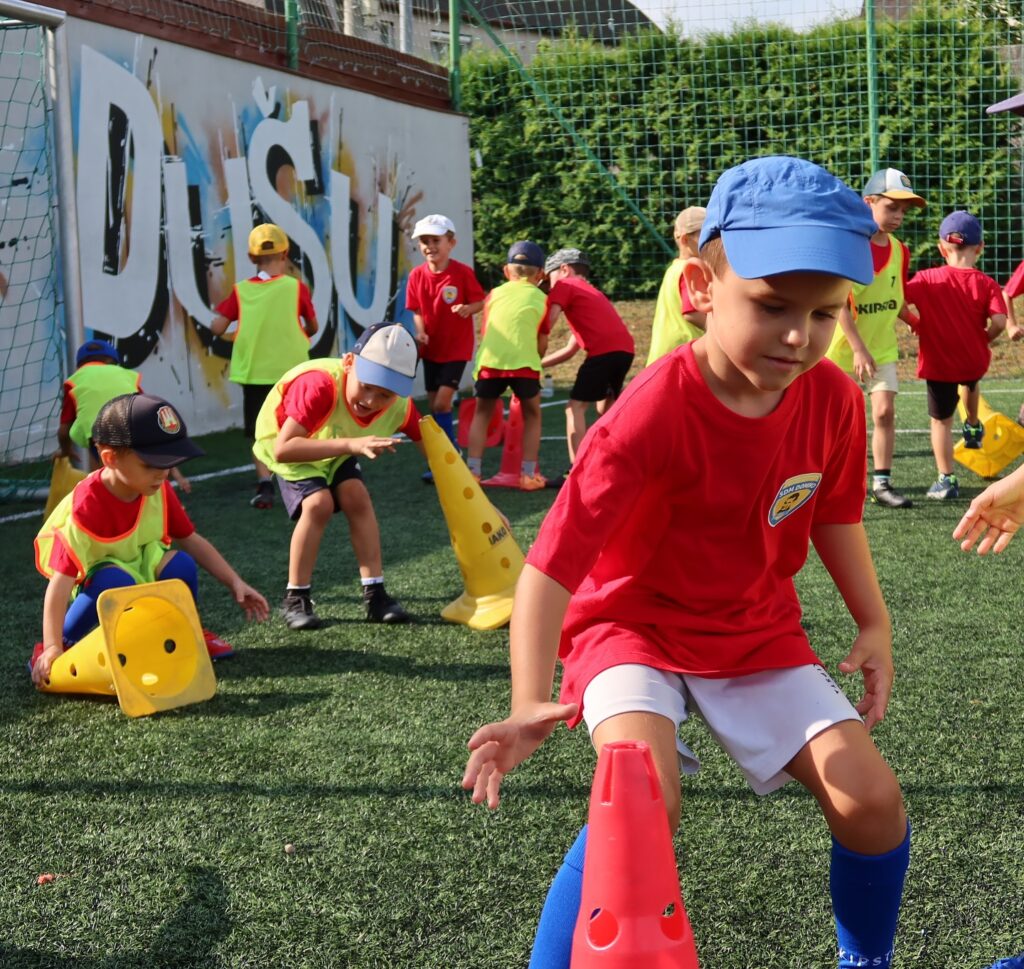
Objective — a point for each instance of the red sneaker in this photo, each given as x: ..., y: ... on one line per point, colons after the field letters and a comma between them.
x: 216, y: 647
x: 37, y: 651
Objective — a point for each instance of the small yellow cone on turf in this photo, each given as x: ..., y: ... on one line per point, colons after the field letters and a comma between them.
x: 488, y: 556
x: 148, y: 650
x: 62, y: 480
x: 1002, y: 444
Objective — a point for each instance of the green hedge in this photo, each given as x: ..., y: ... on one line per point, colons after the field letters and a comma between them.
x: 667, y: 115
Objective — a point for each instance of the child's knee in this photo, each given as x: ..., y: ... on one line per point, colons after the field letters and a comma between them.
x: 318, y: 508
x: 354, y: 499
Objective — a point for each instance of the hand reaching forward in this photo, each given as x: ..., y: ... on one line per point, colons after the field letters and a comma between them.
x: 994, y: 516
x: 498, y: 747
x: 370, y: 447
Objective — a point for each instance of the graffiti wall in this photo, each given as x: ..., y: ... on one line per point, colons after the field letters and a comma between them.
x: 180, y: 152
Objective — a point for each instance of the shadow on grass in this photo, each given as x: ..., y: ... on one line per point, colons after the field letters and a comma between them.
x: 187, y: 938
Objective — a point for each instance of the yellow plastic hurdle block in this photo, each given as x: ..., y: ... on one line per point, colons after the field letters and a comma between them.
x: 62, y: 481
x: 1002, y: 444
x: 148, y: 650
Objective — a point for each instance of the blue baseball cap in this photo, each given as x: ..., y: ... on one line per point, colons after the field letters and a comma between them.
x: 526, y: 254
x: 961, y: 228
x: 781, y: 214
x: 386, y: 356
x: 93, y: 349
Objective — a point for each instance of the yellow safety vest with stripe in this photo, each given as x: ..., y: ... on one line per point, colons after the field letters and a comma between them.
x: 878, y: 305
x: 670, y: 328
x: 270, y: 338
x: 138, y: 551
x: 339, y: 423
x: 91, y: 386
x: 513, y: 313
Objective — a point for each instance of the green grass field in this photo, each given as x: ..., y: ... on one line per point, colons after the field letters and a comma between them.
x: 348, y: 742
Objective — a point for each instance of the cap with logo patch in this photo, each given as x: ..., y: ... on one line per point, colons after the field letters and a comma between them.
x: 893, y: 184
x: 149, y: 426
x: 386, y: 356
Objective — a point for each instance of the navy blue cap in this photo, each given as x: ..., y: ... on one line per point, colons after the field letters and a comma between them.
x: 150, y: 426
x: 781, y: 214
x: 94, y: 349
x: 526, y: 254
x: 961, y: 228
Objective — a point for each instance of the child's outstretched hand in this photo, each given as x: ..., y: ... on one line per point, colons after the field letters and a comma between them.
x: 250, y: 600
x: 41, y: 668
x: 872, y: 655
x: 498, y: 747
x: 994, y: 516
x: 370, y: 447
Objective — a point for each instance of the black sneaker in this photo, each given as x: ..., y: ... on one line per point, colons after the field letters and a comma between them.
x: 380, y: 607
x: 886, y: 494
x: 264, y: 497
x: 559, y: 480
x: 297, y: 609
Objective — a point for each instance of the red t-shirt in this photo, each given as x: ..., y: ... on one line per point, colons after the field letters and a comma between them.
x: 310, y: 399
x: 880, y: 256
x: 597, y: 326
x: 432, y: 296
x: 954, y: 305
x: 228, y: 308
x: 104, y: 514
x: 682, y: 524
x: 1015, y: 286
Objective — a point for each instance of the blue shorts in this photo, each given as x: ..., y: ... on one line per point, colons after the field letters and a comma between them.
x: 293, y: 493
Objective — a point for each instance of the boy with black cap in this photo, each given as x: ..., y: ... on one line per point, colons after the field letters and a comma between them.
x: 117, y: 525
x: 513, y: 337
x: 315, y: 424
x: 663, y: 574
x: 960, y: 312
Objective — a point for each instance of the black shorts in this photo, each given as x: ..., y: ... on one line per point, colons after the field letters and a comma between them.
x: 491, y: 388
x: 601, y: 376
x: 294, y: 492
x: 253, y: 396
x: 943, y: 397
x: 447, y: 374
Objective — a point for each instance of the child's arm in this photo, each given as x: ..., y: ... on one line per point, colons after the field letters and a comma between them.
x: 209, y: 558
x: 55, y: 604
x: 310, y: 326
x: 537, y: 614
x: 293, y: 446
x: 421, y: 329
x: 863, y: 363
x: 994, y: 516
x: 844, y: 551
x: 181, y: 481
x: 1013, y: 330
x: 468, y: 309
x: 66, y: 447
x: 560, y: 356
x: 219, y: 324
x: 996, y: 325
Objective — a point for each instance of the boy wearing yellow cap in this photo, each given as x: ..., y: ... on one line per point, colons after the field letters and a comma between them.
x: 276, y: 321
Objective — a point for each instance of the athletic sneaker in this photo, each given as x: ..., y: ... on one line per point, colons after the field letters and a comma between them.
x: 559, y: 480
x: 532, y: 482
x: 946, y: 488
x: 297, y: 609
x: 427, y: 477
x: 380, y: 607
x: 264, y: 497
x: 216, y: 647
x: 973, y: 433
x: 885, y: 494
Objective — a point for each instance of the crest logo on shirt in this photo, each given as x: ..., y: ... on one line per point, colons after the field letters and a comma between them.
x: 795, y: 491
x: 450, y: 294
x: 168, y: 419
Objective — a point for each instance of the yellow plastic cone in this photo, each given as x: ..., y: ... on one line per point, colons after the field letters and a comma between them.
x: 488, y: 556
x: 62, y: 480
x: 148, y: 650
x: 1002, y: 443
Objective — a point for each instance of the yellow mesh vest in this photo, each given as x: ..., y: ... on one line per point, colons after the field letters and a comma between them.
x: 92, y: 386
x: 270, y: 338
x: 138, y: 551
x: 341, y: 423
x: 513, y: 314
x: 670, y: 328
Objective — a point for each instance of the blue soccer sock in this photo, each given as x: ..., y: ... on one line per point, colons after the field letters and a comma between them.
x: 866, y: 895
x: 552, y: 947
x: 444, y: 421
x: 81, y: 617
x: 182, y: 566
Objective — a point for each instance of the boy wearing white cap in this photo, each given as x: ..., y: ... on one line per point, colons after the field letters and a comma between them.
x: 866, y: 347
x: 315, y: 424
x: 443, y: 295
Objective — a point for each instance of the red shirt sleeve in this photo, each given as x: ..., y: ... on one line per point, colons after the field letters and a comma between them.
x: 306, y: 310
x: 179, y: 525
x: 474, y: 291
x: 411, y: 427
x: 414, y: 293
x: 309, y: 399
x: 60, y: 560
x: 68, y: 409
x: 1015, y: 285
x: 228, y: 308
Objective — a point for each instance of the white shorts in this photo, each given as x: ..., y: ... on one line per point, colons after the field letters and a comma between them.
x: 761, y: 720
x: 884, y: 379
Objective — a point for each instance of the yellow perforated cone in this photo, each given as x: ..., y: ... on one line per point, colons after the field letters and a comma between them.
x: 1002, y: 443
x: 62, y: 480
x: 148, y: 650
x: 488, y: 556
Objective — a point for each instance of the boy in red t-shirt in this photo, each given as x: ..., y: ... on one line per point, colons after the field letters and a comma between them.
x: 598, y: 330
x: 663, y: 574
x: 960, y: 311
x: 443, y: 296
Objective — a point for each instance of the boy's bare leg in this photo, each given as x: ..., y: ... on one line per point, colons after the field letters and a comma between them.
x: 441, y: 400
x: 363, y: 530
x: 883, y: 434
x: 478, y: 429
x: 942, y: 444
x: 317, y: 510
x: 970, y: 399
x: 262, y: 471
x: 431, y: 397
x: 531, y: 428
x: 575, y: 426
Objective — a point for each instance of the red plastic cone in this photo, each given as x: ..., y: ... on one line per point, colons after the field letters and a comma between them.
x: 512, y: 453
x: 495, y: 429
x: 631, y: 914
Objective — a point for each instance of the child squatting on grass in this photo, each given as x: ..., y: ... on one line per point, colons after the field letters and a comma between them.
x: 116, y: 528
x: 764, y: 452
